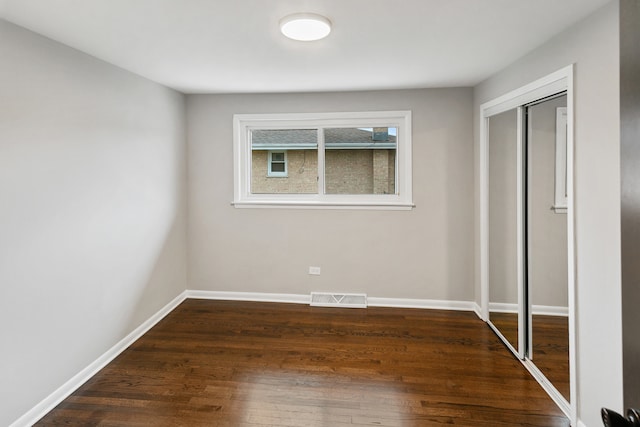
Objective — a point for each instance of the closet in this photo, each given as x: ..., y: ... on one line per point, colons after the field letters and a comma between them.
x: 527, y: 262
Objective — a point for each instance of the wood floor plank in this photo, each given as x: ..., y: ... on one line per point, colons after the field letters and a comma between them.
x: 551, y: 350
x: 231, y: 363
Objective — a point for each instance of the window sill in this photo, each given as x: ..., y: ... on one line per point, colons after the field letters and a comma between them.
x: 278, y: 204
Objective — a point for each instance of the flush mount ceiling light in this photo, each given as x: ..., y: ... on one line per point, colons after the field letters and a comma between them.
x: 305, y: 26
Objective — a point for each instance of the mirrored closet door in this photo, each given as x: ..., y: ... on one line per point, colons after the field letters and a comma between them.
x: 546, y: 236
x: 526, y: 230
x: 506, y: 290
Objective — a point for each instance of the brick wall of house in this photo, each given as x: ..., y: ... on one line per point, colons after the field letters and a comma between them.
x: 349, y: 171
x: 360, y: 171
x: 346, y: 172
x: 302, y: 168
x: 384, y: 172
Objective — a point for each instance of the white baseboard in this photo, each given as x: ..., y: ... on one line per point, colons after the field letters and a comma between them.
x: 421, y: 303
x: 542, y: 310
x: 478, y: 310
x: 250, y: 296
x: 501, y: 307
x: 306, y: 299
x: 550, y: 310
x: 581, y: 424
x: 51, y: 401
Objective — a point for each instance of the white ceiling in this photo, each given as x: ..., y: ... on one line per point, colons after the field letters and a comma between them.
x: 234, y: 46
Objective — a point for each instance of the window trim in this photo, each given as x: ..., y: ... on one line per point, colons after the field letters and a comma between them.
x: 271, y: 173
x: 244, y: 123
x: 560, y: 185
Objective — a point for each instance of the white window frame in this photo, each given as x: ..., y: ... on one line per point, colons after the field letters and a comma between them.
x: 271, y: 173
x: 560, y: 191
x: 243, y: 124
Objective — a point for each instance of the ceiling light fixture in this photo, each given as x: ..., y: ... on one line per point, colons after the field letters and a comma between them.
x: 305, y: 26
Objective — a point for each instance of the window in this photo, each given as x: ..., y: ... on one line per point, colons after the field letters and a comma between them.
x: 337, y: 160
x: 560, y: 199
x: 277, y: 165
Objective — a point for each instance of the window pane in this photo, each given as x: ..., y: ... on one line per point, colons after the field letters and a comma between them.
x: 277, y: 167
x: 360, y: 160
x: 301, y: 146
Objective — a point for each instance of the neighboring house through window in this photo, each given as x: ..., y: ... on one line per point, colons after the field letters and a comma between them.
x: 319, y: 160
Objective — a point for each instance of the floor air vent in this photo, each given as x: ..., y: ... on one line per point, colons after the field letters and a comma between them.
x: 319, y: 299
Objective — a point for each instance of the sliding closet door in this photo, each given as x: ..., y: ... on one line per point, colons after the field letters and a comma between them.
x: 546, y: 230
x: 527, y: 256
x: 506, y: 311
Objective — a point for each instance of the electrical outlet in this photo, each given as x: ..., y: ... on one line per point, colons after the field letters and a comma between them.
x: 314, y: 270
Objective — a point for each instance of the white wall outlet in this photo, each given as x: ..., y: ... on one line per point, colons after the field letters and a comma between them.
x: 314, y: 270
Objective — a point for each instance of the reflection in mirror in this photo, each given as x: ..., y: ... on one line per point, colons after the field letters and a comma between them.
x: 503, y: 235
x: 547, y: 242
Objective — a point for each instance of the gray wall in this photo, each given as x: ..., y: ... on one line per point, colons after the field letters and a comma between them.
x: 593, y: 46
x: 92, y: 217
x: 424, y: 253
x: 503, y: 205
x: 630, y: 165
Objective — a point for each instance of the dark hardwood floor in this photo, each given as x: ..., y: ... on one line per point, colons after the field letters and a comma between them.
x: 225, y: 363
x: 550, y: 345
x: 507, y: 324
x: 551, y: 350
